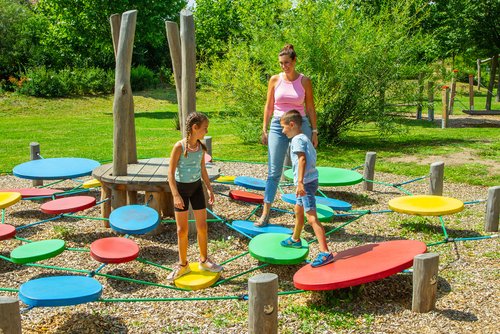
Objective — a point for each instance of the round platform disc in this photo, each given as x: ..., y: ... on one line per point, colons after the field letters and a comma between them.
x: 55, y: 168
x: 37, y: 251
x: 7, y: 231
x: 68, y: 204
x: 245, y: 196
x: 331, y: 176
x: 250, y: 182
x: 134, y: 219
x: 325, y: 213
x: 60, y: 291
x: 250, y: 229
x: 426, y: 205
x: 360, y: 265
x: 114, y: 250
x: 94, y: 183
x: 9, y: 198
x: 335, y: 204
x: 197, y: 279
x: 34, y: 192
x: 227, y: 179
x: 266, y: 247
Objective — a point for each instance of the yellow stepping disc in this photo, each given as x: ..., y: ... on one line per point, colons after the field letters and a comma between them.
x: 226, y: 179
x: 197, y: 279
x: 9, y: 198
x: 94, y: 183
x: 426, y: 205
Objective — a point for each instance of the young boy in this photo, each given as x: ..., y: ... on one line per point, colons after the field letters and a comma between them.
x: 305, y: 177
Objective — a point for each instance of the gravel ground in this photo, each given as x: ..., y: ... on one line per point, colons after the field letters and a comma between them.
x: 467, y: 302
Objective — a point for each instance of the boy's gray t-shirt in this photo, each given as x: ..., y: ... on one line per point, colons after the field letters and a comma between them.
x: 300, y: 143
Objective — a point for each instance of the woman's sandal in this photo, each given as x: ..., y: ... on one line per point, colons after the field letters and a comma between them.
x: 262, y: 222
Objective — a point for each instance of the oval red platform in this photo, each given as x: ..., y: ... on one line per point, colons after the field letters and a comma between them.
x: 68, y: 204
x: 360, y: 265
x: 34, y: 192
x: 245, y: 196
x: 114, y: 250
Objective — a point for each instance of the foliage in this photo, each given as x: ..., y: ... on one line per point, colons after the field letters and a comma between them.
x: 358, y: 64
x: 45, y: 82
x: 142, y: 78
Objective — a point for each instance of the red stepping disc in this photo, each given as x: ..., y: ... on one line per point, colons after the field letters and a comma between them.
x: 114, y: 250
x: 360, y: 265
x: 246, y: 196
x: 33, y: 192
x: 7, y: 231
x: 68, y: 204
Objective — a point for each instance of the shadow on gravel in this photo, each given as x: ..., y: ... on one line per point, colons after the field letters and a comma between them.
x: 84, y: 322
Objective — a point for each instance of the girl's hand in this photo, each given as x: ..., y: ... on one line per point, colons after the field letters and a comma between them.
x: 178, y: 202
x: 263, y: 139
x: 211, y: 197
x: 300, y: 190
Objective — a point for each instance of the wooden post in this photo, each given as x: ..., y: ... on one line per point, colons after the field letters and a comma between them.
x: 420, y: 95
x: 188, y: 61
x: 491, y: 84
x: 174, y: 45
x: 35, y: 155
x: 369, y: 170
x: 478, y: 75
x: 453, y: 92
x: 123, y: 91
x: 436, y: 178
x: 492, y: 209
x: 445, y: 97
x: 430, y: 98
x: 497, y: 99
x: 105, y: 206
x: 471, y: 92
x: 425, y: 277
x: 10, y: 317
x: 263, y: 304
x: 118, y: 198
x: 207, y: 140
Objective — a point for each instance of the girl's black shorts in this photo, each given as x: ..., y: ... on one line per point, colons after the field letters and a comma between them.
x: 191, y: 193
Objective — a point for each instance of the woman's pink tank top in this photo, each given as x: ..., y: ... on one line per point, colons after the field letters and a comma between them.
x: 289, y: 95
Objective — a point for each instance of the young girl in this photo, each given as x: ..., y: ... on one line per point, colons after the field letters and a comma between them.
x: 185, y: 173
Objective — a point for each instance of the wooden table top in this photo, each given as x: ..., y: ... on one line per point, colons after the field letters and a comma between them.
x: 146, y: 174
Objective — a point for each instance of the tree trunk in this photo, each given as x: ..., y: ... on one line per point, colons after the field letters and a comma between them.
x: 489, y: 95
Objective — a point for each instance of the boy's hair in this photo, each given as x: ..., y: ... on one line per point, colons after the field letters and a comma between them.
x: 292, y: 116
x: 194, y: 118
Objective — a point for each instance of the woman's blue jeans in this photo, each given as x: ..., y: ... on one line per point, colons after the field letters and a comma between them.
x: 278, y: 145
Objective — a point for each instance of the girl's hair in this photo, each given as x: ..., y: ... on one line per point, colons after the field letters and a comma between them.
x: 288, y: 51
x: 194, y: 118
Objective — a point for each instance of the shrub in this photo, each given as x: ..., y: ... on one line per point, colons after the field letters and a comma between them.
x: 142, y: 78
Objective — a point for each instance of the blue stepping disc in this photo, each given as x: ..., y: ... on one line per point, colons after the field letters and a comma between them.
x: 335, y: 204
x: 60, y: 291
x: 134, y: 219
x: 267, y: 248
x: 250, y: 182
x: 250, y: 229
x: 55, y: 168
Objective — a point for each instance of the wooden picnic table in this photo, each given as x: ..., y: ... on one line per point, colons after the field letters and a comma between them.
x: 148, y: 175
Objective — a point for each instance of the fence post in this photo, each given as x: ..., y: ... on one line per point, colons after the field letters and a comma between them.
x: 430, y: 98
x: 35, y: 155
x: 478, y: 74
x: 263, y: 304
x: 471, y: 92
x: 492, y: 210
x: 369, y: 170
x: 453, y: 92
x: 445, y: 97
x: 436, y: 178
x: 425, y: 276
x: 10, y: 317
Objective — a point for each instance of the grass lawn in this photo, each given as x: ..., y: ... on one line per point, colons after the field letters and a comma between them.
x: 83, y: 127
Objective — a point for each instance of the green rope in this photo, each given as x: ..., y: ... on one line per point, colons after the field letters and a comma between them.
x: 83, y: 217
x: 211, y: 220
x: 22, y: 239
x: 240, y: 274
x: 9, y: 290
x: 125, y: 300
x: 58, y: 268
x: 126, y: 279
x: 6, y: 258
x: 48, y: 185
x: 153, y: 264
x: 3, y: 216
x: 437, y: 243
x: 234, y: 258
x: 443, y: 227
x: 282, y: 293
x: 404, y: 190
x: 339, y: 227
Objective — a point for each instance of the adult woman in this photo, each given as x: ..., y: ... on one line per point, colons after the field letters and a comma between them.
x: 286, y: 91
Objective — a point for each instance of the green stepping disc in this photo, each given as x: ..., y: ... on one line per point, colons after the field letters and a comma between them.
x: 331, y: 176
x: 325, y: 213
x: 266, y: 247
x: 37, y: 251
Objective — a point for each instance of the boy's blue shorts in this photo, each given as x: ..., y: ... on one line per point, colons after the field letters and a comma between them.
x: 309, y: 200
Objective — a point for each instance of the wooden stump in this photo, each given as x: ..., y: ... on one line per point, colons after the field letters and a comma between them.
x: 425, y: 276
x: 436, y: 178
x: 263, y: 304
x: 10, y: 317
x: 369, y: 170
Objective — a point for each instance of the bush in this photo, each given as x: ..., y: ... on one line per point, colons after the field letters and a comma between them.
x: 142, y: 78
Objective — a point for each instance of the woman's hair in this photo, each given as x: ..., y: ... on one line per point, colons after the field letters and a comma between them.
x: 288, y: 51
x: 194, y: 118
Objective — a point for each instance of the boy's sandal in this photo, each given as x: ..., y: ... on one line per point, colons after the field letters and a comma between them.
x: 322, y: 259
x: 289, y: 242
x: 261, y: 222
